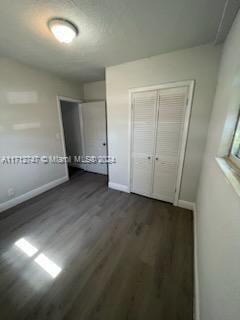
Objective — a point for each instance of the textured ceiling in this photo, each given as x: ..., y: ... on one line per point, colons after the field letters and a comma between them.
x: 111, y: 31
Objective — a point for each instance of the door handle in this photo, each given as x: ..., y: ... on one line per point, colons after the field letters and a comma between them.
x: 149, y: 157
x: 104, y: 143
x: 156, y: 158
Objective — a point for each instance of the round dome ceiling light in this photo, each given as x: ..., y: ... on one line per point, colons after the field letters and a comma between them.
x: 63, y: 30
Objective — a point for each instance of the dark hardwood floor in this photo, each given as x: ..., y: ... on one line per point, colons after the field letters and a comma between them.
x: 122, y: 256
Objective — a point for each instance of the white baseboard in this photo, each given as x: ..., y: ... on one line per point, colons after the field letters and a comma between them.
x: 117, y: 186
x: 33, y: 193
x: 196, y: 275
x: 185, y: 204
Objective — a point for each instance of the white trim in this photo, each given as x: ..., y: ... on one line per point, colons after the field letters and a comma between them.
x: 117, y: 186
x: 185, y: 204
x: 62, y: 133
x: 196, y: 314
x: 184, y: 140
x: 30, y: 194
x: 130, y: 137
x: 69, y: 99
x: 80, y: 108
x: 163, y: 86
x: 231, y: 173
x: 235, y: 160
x: 188, y: 83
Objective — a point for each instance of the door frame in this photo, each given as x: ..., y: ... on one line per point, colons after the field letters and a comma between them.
x: 191, y: 85
x: 62, y: 136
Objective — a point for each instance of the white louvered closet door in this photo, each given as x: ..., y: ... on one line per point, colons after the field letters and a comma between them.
x: 171, y: 114
x: 143, y: 141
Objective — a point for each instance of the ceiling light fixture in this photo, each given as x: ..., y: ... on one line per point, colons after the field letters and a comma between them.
x: 63, y: 30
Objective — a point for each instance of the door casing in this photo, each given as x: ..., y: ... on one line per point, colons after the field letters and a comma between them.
x: 190, y: 84
x: 62, y: 137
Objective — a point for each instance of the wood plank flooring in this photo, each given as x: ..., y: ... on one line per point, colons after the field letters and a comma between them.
x: 122, y: 256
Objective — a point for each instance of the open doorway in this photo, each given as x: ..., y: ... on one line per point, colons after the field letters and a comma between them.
x: 69, y: 110
x: 84, y: 135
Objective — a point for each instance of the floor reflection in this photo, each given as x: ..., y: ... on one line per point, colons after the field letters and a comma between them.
x: 26, y: 247
x: 48, y: 265
x: 42, y: 260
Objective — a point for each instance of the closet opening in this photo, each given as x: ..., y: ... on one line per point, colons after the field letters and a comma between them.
x: 159, y: 123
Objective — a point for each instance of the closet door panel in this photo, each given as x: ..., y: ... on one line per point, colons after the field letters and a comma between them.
x: 142, y: 175
x: 143, y: 141
x: 170, y: 122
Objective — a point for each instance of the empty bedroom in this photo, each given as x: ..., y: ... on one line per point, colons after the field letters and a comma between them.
x: 120, y: 160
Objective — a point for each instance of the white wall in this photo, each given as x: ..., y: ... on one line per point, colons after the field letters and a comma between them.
x: 200, y: 64
x: 94, y: 91
x: 72, y: 130
x: 218, y: 205
x: 29, y: 125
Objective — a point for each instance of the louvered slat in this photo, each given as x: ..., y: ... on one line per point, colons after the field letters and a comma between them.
x: 170, y: 122
x: 143, y: 144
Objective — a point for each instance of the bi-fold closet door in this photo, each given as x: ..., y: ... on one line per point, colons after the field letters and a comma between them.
x: 158, y: 118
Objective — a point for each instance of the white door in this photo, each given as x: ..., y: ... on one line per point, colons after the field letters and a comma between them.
x: 144, y: 105
x: 94, y: 134
x: 170, y: 122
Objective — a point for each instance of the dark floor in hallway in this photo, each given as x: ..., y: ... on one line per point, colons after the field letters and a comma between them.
x: 73, y: 171
x: 122, y: 256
